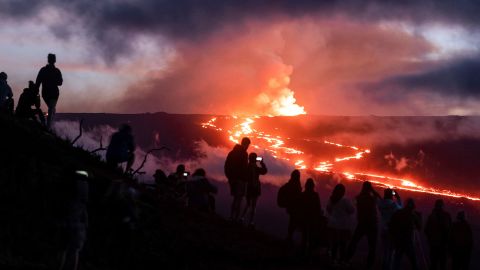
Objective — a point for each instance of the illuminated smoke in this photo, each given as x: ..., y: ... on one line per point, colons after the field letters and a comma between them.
x: 277, y: 98
x: 405, y: 162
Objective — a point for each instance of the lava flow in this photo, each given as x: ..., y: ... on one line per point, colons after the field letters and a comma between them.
x: 276, y: 146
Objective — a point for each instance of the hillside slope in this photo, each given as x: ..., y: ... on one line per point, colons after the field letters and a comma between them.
x: 32, y: 176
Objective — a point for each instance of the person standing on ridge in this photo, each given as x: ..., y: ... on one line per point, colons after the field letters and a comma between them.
x: 340, y: 212
x: 402, y: 227
x: 50, y: 77
x: 367, y: 223
x: 461, y: 243
x: 290, y: 197
x: 387, y: 207
x: 437, y: 230
x: 6, y: 95
x: 311, y: 216
x: 236, y: 168
x: 253, y: 187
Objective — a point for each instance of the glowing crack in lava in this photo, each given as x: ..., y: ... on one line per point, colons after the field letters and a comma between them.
x: 275, y: 145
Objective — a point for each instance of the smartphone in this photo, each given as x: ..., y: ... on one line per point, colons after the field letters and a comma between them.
x: 393, y: 192
x: 82, y: 173
x: 259, y: 158
x: 186, y: 174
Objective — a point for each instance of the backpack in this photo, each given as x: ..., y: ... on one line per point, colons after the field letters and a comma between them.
x: 229, y: 164
x: 283, y: 196
x: 233, y: 161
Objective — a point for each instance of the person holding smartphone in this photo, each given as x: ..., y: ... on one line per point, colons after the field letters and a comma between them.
x: 387, y: 206
x: 253, y: 187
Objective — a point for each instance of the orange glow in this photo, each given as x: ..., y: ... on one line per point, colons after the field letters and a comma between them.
x: 276, y: 146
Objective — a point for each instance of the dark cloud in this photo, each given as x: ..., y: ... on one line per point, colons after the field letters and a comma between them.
x: 459, y: 79
x: 114, y: 24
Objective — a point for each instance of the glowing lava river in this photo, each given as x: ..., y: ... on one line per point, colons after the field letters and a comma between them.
x: 275, y: 145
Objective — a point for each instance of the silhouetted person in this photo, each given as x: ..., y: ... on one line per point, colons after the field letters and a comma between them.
x: 340, y: 211
x: 311, y: 212
x: 291, y: 194
x: 177, y: 182
x: 122, y: 217
x: 253, y: 187
x: 402, y: 227
x: 160, y: 178
x: 387, y: 207
x: 121, y: 148
x: 367, y: 223
x: 50, y: 77
x: 76, y: 220
x: 461, y: 243
x: 28, y: 99
x: 235, y: 169
x: 437, y: 230
x: 179, y: 176
x: 161, y: 182
x: 6, y: 95
x: 199, y: 192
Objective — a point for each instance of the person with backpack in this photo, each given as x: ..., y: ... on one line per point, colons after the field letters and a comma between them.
x: 289, y: 197
x: 236, y: 171
x: 437, y: 230
x: 367, y: 223
x: 50, y: 77
x: 340, y: 216
x: 253, y: 187
x: 199, y: 192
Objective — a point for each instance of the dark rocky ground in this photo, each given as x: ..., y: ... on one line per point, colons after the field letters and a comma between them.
x: 32, y: 176
x: 34, y: 164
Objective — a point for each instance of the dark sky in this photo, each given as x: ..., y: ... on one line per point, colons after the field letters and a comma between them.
x: 250, y: 57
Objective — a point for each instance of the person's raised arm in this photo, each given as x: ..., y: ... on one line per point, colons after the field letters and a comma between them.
x: 263, y: 168
x: 399, y: 200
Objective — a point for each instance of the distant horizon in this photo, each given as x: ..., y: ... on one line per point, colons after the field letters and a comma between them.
x: 303, y: 115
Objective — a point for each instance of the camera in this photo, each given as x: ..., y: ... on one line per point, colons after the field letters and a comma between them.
x: 393, y: 192
x: 186, y: 174
x: 259, y: 158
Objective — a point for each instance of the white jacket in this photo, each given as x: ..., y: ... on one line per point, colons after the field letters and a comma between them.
x: 340, y: 214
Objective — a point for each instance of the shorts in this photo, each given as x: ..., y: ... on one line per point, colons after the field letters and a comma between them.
x: 237, y: 188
